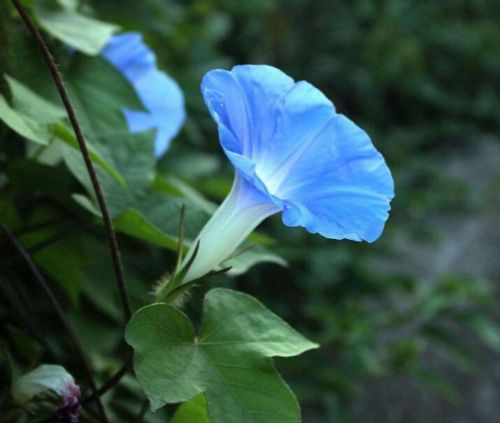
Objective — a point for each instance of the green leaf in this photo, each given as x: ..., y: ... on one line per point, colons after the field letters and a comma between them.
x: 229, y: 361
x: 32, y: 105
x: 29, y: 113
x: 173, y: 185
x: 87, y: 204
x: 100, y: 93
x: 142, y: 209
x: 23, y: 125
x: 133, y: 223
x: 63, y: 262
x: 241, y: 263
x: 41, y: 121
x: 193, y: 411
x: 81, y: 32
x: 67, y: 136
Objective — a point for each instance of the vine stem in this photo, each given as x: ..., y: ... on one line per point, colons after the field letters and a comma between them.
x: 63, y: 93
x: 113, y: 380
x: 60, y: 314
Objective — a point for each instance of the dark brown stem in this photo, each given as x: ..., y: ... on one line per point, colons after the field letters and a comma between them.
x: 113, y: 380
x: 59, y: 312
x: 63, y: 93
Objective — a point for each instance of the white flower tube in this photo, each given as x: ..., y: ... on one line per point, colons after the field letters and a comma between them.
x: 240, y: 213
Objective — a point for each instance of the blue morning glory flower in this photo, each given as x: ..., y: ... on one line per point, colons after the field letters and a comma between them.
x: 293, y: 153
x: 159, y: 93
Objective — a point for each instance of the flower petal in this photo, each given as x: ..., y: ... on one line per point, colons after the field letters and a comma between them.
x: 244, y: 102
x: 340, y: 187
x: 266, y: 112
x: 159, y: 93
x: 129, y: 54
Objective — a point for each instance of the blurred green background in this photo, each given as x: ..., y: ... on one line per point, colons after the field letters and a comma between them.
x: 408, y: 325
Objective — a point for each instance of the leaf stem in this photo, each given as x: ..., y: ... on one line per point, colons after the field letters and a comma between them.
x: 59, y: 311
x: 63, y: 93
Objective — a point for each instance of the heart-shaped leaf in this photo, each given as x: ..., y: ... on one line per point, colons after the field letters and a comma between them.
x: 229, y: 361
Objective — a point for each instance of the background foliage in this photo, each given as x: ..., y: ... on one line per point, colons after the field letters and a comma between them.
x: 407, y: 326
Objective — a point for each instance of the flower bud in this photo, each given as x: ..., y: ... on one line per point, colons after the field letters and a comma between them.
x: 43, y: 386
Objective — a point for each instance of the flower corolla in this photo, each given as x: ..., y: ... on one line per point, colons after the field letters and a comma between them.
x: 293, y: 153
